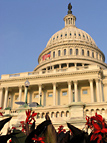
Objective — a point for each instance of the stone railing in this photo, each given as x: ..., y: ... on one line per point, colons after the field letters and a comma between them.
x: 70, y: 69
x: 99, y: 108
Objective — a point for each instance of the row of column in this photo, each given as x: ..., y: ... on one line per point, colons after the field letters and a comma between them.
x: 67, y: 66
x: 99, y: 92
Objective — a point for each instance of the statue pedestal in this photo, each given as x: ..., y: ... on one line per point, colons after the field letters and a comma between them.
x: 76, y: 110
x: 21, y: 115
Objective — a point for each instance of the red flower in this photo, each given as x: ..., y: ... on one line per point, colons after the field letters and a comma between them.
x: 1, y: 114
x: 71, y: 132
x: 39, y: 139
x: 98, y: 126
x: 10, y: 141
x: 13, y: 128
x: 34, y: 114
x: 60, y: 129
x: 30, y: 116
x: 0, y: 107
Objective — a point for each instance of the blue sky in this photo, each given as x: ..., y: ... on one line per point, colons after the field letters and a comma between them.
x: 27, y: 25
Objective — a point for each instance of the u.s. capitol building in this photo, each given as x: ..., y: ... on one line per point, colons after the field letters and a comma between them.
x: 71, y: 77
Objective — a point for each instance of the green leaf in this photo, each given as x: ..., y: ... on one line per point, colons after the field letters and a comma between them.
x: 19, y: 137
x: 3, y: 122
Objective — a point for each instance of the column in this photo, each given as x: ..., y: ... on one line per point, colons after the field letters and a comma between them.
x: 40, y: 91
x: 1, y: 96
x: 59, y: 66
x: 76, y: 90
x: 101, y: 91
x: 25, y: 92
x: 52, y: 67
x: 6, y: 97
x: 91, y: 90
x: 54, y: 93
x: 20, y: 93
x: 69, y: 92
x: 98, y: 90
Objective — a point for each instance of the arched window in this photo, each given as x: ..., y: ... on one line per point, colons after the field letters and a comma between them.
x: 100, y: 57
x: 54, y: 54
x: 52, y: 115
x: 64, y: 52
x: 70, y: 51
x: 43, y: 115
x: 38, y: 115
x: 59, y: 52
x: 57, y: 114
x: 88, y: 53
x: 82, y: 52
x: 96, y: 55
x: 62, y: 114
x: 67, y: 113
x: 76, y: 51
x: 92, y: 54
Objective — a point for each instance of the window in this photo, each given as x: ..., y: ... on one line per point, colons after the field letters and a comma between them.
x: 65, y: 34
x: 88, y: 53
x: 70, y: 51
x: 100, y: 57
x: 59, y: 53
x: 84, y: 91
x: 96, y: 55
x: 70, y: 34
x: 79, y: 34
x: 53, y: 54
x: 86, y: 64
x: 54, y: 38
x: 74, y: 34
x: 83, y: 52
x: 63, y: 65
x: 79, y: 64
x: 56, y: 66
x: 16, y: 97
x: 71, y: 64
x: 61, y: 35
x: 50, y: 94
x: 64, y: 93
x: 57, y: 36
x: 64, y: 51
x: 92, y: 54
x: 36, y: 95
x: 76, y: 51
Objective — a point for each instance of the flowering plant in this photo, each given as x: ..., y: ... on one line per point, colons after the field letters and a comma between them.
x: 29, y: 118
x: 98, y: 126
x: 60, y: 129
x: 37, y: 139
x: 0, y: 112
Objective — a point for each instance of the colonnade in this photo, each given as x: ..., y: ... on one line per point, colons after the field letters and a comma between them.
x: 72, y: 86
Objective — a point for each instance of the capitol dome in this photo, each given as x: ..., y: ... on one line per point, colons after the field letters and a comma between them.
x: 70, y: 33
x: 70, y: 45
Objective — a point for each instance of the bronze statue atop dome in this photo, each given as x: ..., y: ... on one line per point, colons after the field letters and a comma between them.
x: 69, y: 8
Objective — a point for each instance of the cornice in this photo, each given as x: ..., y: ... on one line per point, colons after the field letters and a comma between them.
x: 50, y: 75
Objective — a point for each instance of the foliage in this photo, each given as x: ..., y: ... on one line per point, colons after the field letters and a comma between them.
x: 46, y: 133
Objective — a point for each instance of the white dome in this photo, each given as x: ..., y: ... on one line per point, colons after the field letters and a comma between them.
x: 71, y: 34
